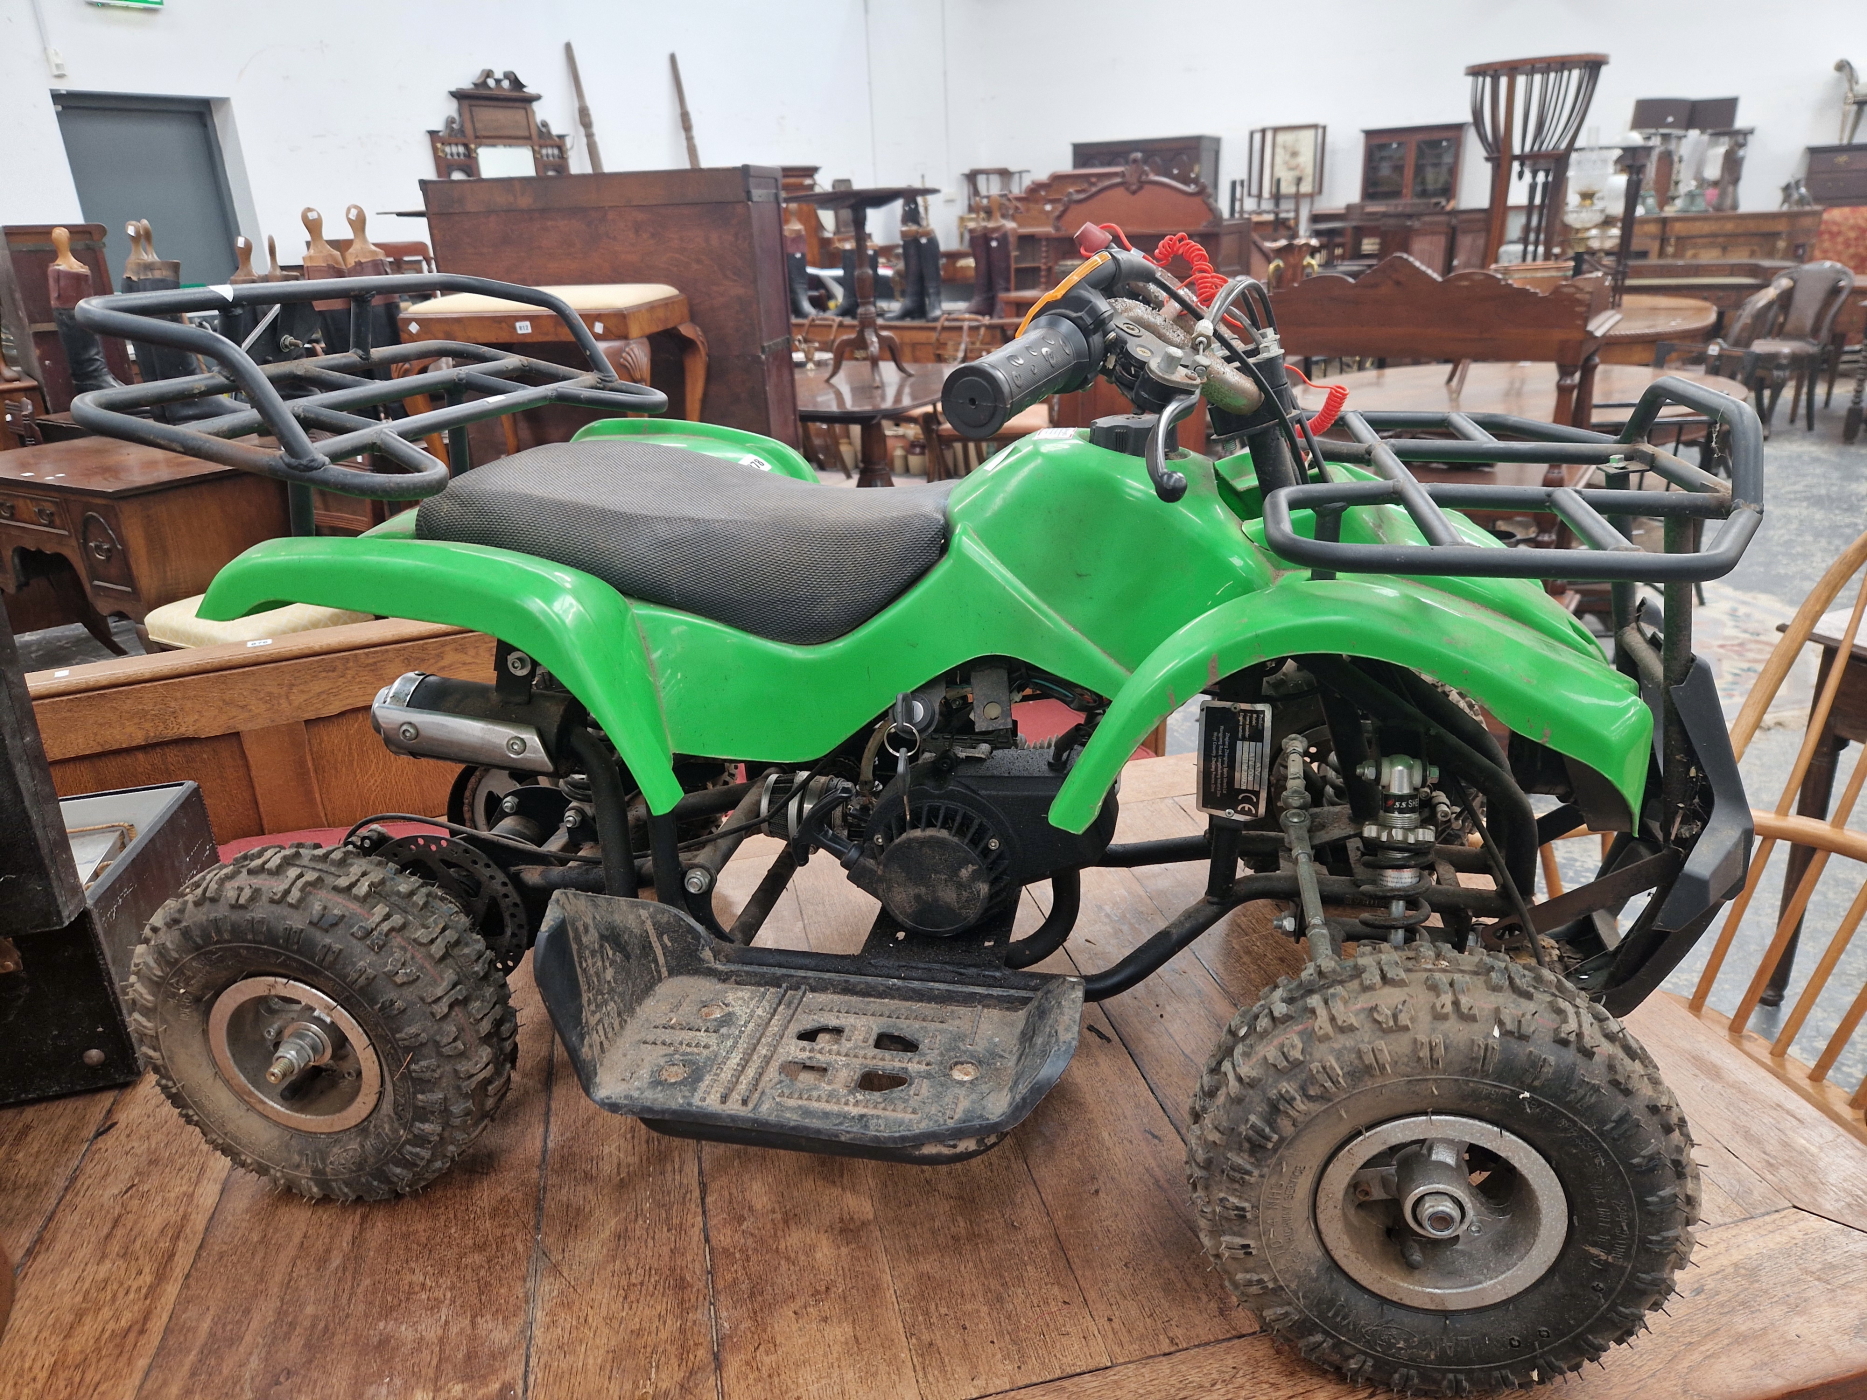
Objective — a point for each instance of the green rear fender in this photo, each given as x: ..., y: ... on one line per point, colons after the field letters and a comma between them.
x: 1542, y: 688
x: 578, y: 628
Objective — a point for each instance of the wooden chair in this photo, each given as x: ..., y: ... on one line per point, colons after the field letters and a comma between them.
x: 1816, y: 835
x: 949, y: 454
x: 813, y: 340
x: 1782, y: 336
x: 1403, y: 310
x: 972, y: 337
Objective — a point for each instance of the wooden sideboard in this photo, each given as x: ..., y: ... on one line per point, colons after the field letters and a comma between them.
x: 716, y: 234
x: 1837, y: 175
x: 1765, y: 233
x: 95, y: 527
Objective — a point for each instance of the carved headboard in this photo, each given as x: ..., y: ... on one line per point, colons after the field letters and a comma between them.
x: 1400, y: 309
x: 1136, y: 199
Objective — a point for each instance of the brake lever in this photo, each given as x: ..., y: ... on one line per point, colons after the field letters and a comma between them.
x: 1170, y: 486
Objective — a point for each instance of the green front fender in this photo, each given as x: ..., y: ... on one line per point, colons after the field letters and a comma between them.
x: 1575, y: 703
x: 578, y: 628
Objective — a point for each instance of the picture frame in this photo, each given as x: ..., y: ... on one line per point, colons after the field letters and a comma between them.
x: 1286, y: 161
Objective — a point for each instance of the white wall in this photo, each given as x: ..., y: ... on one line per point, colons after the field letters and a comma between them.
x: 329, y: 103
x: 1050, y: 74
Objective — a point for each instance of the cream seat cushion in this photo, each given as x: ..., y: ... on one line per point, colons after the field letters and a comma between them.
x: 595, y: 296
x: 176, y: 625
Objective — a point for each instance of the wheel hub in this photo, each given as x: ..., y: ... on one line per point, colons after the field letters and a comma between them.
x: 291, y: 1052
x: 1441, y: 1212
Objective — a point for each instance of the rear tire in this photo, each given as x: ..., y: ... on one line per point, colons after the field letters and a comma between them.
x: 1579, y: 1163
x: 401, y: 1023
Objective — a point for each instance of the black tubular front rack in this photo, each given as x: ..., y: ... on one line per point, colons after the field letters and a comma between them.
x: 338, y: 393
x: 1591, y: 513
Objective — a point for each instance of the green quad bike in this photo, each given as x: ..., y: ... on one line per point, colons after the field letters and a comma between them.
x: 1434, y: 1160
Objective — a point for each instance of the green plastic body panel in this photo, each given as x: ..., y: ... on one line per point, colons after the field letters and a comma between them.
x: 1060, y: 555
x: 714, y: 439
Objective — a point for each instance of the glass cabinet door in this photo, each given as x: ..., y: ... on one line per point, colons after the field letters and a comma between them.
x: 1385, y: 174
x: 1434, y: 160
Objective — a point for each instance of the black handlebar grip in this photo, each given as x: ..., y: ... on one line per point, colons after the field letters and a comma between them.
x: 979, y: 396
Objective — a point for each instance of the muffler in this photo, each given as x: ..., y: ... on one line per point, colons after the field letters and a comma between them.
x: 424, y: 716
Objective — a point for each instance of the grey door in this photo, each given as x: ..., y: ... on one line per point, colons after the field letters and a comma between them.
x: 157, y: 159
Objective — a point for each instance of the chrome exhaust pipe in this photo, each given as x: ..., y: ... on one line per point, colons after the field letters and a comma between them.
x: 424, y: 716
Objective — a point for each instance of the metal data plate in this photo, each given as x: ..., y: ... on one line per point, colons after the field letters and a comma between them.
x: 1234, y: 758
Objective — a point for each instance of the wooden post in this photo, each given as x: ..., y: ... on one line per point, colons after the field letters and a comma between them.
x: 1498, y: 219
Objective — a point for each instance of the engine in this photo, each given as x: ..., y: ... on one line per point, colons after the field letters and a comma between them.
x: 949, y: 843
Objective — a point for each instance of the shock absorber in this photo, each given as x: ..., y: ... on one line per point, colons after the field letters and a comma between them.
x: 1399, y: 847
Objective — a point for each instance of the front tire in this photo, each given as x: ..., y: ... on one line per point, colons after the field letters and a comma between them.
x: 325, y: 1020
x: 1440, y: 1172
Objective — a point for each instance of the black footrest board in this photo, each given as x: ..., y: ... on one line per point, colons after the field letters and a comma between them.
x: 829, y: 1054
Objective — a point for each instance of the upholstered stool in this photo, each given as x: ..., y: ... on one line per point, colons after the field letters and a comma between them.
x: 621, y: 315
x: 175, y: 626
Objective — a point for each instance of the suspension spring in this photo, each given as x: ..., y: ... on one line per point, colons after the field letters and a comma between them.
x: 1399, y: 847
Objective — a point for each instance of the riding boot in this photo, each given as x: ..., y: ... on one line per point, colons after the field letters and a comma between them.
x: 908, y: 275
x: 797, y: 263
x: 933, y: 296
x: 84, y: 357
x: 980, y: 236
x: 155, y: 362
x: 797, y: 275
x: 1000, y: 245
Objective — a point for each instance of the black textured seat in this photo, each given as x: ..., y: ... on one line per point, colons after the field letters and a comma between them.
x: 768, y: 554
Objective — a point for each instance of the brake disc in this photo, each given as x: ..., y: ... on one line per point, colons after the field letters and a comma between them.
x: 484, y: 892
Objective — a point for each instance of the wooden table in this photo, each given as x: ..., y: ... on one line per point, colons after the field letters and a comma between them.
x: 621, y: 315
x: 1524, y: 388
x: 1724, y: 282
x: 95, y: 527
x: 868, y: 341
x: 1647, y: 318
x: 854, y: 396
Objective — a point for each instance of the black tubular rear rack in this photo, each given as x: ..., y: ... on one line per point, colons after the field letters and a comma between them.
x: 325, y: 393
x: 1591, y: 513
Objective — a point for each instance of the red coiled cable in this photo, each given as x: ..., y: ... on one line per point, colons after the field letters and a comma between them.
x: 1206, y: 282
x: 1206, y: 285
x: 1331, y: 406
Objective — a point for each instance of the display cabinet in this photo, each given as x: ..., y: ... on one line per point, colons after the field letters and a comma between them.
x: 1408, y: 163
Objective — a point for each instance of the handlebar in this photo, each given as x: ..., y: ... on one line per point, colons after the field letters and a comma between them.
x: 1052, y: 357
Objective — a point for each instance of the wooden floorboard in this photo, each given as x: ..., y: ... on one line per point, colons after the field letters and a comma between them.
x: 987, y: 1295
x: 619, y: 1293
x: 1111, y: 1171
x: 92, y: 1302
x: 1250, y: 1368
x: 1772, y: 1310
x: 421, y: 1296
x: 41, y: 1147
x: 576, y: 1254
x: 806, y: 1301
